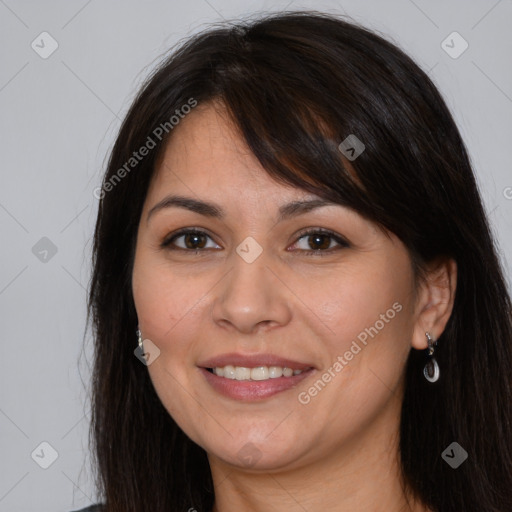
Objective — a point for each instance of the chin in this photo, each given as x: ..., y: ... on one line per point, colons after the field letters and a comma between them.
x: 256, y: 457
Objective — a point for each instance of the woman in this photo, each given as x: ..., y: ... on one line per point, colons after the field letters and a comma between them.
x: 296, y: 297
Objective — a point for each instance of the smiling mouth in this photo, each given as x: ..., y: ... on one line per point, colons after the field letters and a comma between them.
x: 258, y: 373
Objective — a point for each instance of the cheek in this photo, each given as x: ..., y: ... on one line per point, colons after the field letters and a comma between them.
x: 161, y: 300
x: 377, y: 319
x: 166, y: 315
x: 357, y: 299
x: 169, y: 311
x: 367, y: 350
x: 369, y: 317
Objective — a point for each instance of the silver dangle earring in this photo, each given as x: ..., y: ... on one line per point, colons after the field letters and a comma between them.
x: 431, y: 369
x: 139, y: 340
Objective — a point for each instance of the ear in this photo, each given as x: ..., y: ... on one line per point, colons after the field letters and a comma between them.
x: 434, y: 303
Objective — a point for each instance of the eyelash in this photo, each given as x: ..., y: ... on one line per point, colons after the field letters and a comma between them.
x: 167, y: 243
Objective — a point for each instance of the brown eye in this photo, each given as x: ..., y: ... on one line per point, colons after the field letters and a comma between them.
x: 318, y: 242
x: 192, y: 240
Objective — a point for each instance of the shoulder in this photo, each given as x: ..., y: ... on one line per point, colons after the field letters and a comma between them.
x: 92, y: 508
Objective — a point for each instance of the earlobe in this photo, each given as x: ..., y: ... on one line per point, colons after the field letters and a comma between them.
x: 435, y: 302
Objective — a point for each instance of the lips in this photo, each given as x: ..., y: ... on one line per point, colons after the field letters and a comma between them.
x: 253, y: 361
x: 253, y: 390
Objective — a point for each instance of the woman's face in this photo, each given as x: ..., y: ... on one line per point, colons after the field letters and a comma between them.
x: 247, y: 292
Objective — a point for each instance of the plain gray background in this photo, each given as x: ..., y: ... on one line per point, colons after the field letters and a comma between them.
x: 59, y: 117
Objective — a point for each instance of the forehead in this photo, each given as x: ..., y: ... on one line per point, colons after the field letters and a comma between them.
x: 207, y: 159
x: 207, y: 156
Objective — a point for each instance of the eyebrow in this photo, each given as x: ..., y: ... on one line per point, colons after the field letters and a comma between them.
x: 207, y: 209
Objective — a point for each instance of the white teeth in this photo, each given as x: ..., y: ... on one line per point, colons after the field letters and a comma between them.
x: 275, y: 371
x: 257, y: 373
x: 260, y: 373
x: 242, y: 373
x: 287, y: 372
x: 229, y: 372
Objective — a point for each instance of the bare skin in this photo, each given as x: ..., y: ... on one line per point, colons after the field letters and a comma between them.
x: 334, y: 449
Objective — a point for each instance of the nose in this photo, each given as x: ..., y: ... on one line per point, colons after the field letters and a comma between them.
x: 251, y: 297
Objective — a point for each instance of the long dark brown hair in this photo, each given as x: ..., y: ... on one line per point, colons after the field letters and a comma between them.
x: 296, y: 85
